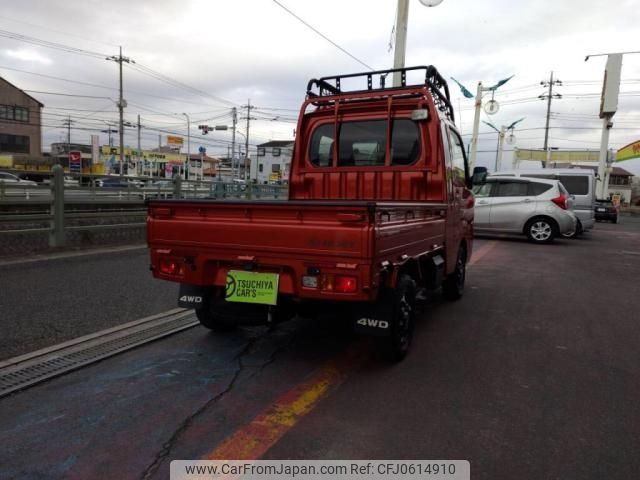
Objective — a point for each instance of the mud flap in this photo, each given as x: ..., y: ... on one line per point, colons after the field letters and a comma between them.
x: 191, y: 296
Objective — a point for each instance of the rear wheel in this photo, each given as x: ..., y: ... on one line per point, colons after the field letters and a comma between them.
x: 541, y: 230
x: 212, y: 320
x: 453, y: 285
x: 402, y: 313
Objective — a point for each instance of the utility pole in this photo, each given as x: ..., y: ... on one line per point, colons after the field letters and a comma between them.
x: 139, y: 146
x: 476, y: 127
x: 248, y: 106
x: 400, y: 40
x: 234, y: 113
x: 67, y: 123
x: 548, y: 96
x: 188, y: 163
x: 122, y: 103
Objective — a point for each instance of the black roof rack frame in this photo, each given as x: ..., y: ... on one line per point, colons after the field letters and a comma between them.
x: 437, y: 85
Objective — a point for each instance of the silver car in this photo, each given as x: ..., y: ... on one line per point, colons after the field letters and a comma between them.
x: 540, y: 209
x: 579, y: 182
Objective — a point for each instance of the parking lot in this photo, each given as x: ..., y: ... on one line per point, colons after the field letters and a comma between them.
x: 533, y: 374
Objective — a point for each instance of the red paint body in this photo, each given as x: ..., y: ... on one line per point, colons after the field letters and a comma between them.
x: 363, y: 222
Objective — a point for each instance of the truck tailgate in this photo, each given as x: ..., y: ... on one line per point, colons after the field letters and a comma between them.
x: 298, y: 229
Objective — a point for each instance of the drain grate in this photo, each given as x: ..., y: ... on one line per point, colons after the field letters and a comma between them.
x: 27, y: 370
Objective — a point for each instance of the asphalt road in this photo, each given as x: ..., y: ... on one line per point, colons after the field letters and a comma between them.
x: 534, y: 374
x: 50, y: 301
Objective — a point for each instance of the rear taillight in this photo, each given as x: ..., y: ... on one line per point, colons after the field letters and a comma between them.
x: 171, y: 267
x: 561, y: 201
x: 330, y: 282
x: 344, y: 284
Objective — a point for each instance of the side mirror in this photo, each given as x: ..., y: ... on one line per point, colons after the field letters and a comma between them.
x: 479, y: 176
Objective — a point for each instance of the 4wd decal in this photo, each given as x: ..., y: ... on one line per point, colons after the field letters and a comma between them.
x: 373, y: 322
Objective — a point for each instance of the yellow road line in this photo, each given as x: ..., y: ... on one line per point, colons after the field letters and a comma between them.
x: 254, y: 439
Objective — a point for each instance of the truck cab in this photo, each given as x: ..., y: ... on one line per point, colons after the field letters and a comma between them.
x: 379, y: 213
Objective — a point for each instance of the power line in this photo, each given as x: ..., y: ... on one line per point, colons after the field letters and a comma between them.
x: 322, y: 35
x: 46, y: 43
x: 176, y: 83
x: 15, y: 20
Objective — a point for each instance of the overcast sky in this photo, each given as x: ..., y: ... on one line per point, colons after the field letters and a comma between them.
x: 241, y: 49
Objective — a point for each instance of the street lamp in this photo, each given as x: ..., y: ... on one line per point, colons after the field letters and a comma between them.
x: 501, y: 136
x: 401, y: 35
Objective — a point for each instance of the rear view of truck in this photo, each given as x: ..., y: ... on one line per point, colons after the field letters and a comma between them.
x: 379, y: 210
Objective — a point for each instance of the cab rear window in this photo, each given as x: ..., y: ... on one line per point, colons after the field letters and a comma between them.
x: 364, y: 143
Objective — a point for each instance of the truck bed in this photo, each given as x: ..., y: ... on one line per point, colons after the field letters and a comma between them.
x: 290, y: 238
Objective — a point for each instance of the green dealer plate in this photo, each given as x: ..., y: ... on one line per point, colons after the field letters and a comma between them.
x: 252, y: 287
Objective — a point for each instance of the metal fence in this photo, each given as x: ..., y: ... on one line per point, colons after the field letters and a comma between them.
x: 102, y: 208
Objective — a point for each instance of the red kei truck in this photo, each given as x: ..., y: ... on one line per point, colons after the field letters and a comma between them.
x: 380, y: 211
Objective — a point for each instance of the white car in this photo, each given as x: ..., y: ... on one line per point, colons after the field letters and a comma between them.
x: 540, y: 209
x: 14, y: 181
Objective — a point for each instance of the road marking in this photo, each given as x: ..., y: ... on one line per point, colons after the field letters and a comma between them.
x: 482, y: 251
x: 254, y: 439
x: 630, y: 253
x: 84, y: 253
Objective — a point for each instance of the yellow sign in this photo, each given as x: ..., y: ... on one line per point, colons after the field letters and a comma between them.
x: 6, y: 161
x: 559, y: 156
x: 629, y: 151
x: 173, y: 140
x: 161, y: 157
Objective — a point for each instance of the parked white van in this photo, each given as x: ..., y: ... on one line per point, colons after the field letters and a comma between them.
x: 579, y: 182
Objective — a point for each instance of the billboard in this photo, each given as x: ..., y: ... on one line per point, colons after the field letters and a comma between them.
x: 629, y: 151
x: 558, y: 155
x: 611, y: 85
x: 174, y: 140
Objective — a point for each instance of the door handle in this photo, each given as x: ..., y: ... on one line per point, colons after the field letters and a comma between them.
x: 527, y: 200
x: 483, y: 202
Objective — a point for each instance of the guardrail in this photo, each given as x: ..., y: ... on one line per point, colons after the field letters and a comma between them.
x: 55, y: 195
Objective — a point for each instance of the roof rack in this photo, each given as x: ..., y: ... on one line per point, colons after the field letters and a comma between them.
x: 437, y: 85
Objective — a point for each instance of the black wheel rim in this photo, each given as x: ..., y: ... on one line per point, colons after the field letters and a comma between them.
x: 460, y: 272
x: 403, y: 325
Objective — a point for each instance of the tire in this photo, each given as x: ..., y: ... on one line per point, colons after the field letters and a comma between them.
x: 541, y: 230
x: 402, y: 315
x: 453, y: 285
x: 209, y: 319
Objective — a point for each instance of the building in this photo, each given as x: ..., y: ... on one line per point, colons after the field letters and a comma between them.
x: 272, y: 163
x: 620, y: 185
x: 20, y: 125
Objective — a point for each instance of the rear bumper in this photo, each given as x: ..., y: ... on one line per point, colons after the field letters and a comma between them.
x: 211, y: 271
x: 606, y: 215
x: 567, y: 222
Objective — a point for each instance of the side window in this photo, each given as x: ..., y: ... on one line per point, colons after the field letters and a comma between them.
x: 458, y: 159
x: 321, y: 147
x: 405, y: 142
x: 512, y: 189
x: 536, y: 188
x: 362, y: 143
x: 576, y: 184
x: 483, y: 190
